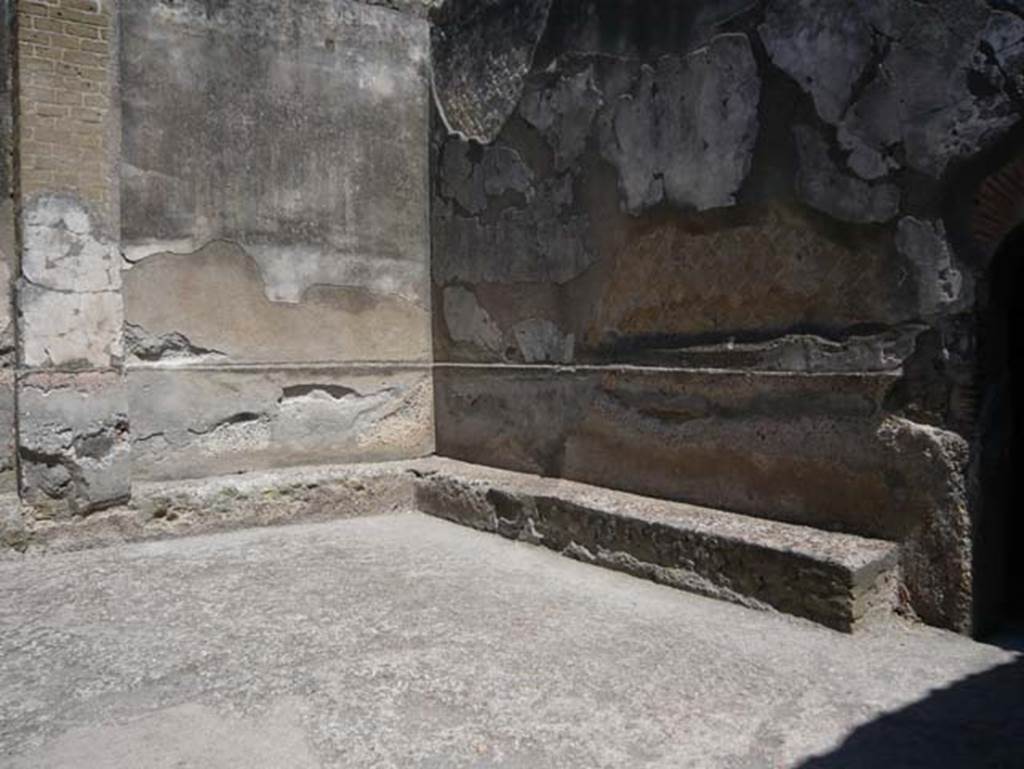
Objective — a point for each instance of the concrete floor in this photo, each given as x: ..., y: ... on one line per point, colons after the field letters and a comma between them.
x: 402, y: 640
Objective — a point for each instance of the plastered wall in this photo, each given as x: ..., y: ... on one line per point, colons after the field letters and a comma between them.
x: 719, y: 252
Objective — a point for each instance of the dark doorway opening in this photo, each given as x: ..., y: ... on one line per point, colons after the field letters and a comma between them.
x: 999, y: 534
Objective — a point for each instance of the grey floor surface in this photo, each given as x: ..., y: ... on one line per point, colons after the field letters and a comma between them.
x: 405, y: 641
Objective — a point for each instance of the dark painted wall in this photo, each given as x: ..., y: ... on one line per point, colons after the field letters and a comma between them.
x: 752, y: 196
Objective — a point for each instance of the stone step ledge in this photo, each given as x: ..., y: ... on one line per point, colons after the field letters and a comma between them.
x: 837, y: 580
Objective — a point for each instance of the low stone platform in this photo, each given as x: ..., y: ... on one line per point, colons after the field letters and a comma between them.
x: 836, y: 579
x: 407, y: 641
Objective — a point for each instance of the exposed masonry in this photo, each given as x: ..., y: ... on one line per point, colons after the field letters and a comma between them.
x: 190, y: 421
x: 65, y: 90
x: 165, y: 347
x: 73, y: 442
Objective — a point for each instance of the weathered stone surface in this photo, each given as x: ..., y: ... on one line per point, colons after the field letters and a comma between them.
x: 8, y: 268
x: 545, y: 239
x: 69, y: 296
x: 470, y: 174
x: 504, y: 171
x: 162, y: 510
x: 662, y: 286
x: 515, y: 419
x: 814, y: 449
x: 769, y: 270
x: 8, y: 356
x: 482, y: 51
x: 825, y: 45
x: 828, y: 188
x: 686, y: 133
x: 871, y: 132
x: 64, y: 248
x: 925, y: 85
x: 833, y: 579
x: 468, y: 322
x: 540, y: 341
x: 625, y: 30
x: 936, y: 553
x: 806, y: 353
x: 406, y: 641
x: 73, y: 442
x: 176, y: 311
x: 8, y: 418
x: 70, y: 329
x: 461, y: 179
x: 946, y: 116
x: 194, y: 422
x: 940, y: 281
x: 275, y: 142
x: 564, y: 113
x: 418, y: 7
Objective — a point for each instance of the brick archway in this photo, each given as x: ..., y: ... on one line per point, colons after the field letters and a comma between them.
x: 999, y: 205
x: 999, y: 522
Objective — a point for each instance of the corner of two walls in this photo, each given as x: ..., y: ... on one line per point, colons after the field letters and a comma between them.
x: 700, y: 256
x: 223, y: 254
x: 687, y: 257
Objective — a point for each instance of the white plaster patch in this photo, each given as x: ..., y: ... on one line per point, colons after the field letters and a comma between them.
x: 65, y: 328
x: 940, y: 284
x: 468, y: 322
x: 64, y: 251
x: 541, y: 341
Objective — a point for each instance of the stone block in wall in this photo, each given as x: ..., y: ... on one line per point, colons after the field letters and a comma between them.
x: 194, y: 422
x: 69, y: 295
x: 817, y: 450
x: 73, y: 441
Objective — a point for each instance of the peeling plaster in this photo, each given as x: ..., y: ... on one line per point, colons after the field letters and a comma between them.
x: 686, y: 132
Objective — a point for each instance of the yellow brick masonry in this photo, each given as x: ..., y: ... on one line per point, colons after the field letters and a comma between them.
x: 64, y: 61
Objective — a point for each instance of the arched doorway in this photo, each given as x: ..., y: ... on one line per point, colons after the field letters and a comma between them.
x: 999, y: 535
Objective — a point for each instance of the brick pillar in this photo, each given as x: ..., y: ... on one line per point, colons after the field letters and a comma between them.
x: 73, y: 447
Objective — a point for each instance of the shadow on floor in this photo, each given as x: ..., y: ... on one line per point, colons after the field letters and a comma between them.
x: 1010, y: 636
x: 976, y: 723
